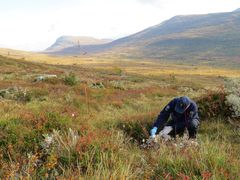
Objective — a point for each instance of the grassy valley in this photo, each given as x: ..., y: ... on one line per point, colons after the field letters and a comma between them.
x: 86, y: 117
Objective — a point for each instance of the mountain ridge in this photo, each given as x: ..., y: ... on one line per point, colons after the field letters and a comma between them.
x: 181, y: 37
x: 65, y: 41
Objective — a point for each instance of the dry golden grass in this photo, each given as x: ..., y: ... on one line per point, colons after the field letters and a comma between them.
x: 143, y: 67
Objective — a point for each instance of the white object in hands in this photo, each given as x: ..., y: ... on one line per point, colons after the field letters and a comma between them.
x: 164, y: 133
x: 166, y: 130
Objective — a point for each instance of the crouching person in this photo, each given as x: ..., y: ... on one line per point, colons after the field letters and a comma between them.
x: 184, y: 114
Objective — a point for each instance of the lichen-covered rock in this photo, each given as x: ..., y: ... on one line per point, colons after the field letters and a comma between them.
x: 44, y: 77
x: 15, y: 93
x: 232, y: 87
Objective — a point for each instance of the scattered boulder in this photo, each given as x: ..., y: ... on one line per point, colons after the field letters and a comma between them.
x: 15, y: 93
x: 97, y: 85
x: 45, y: 77
x: 3, y: 93
x: 9, y: 92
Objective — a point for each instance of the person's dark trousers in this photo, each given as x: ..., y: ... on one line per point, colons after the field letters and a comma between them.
x: 179, y: 127
x: 193, y: 128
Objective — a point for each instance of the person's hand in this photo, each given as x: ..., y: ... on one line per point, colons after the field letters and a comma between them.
x: 153, y: 132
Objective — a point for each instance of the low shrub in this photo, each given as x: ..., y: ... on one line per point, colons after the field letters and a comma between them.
x: 117, y: 71
x: 70, y: 79
x: 224, y: 102
x: 17, y: 134
x: 138, y: 129
x: 135, y: 130
x: 212, y: 105
x: 56, y: 121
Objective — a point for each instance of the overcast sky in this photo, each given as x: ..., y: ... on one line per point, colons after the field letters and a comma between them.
x: 35, y: 24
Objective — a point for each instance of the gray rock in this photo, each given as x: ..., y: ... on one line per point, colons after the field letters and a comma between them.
x: 97, y: 85
x: 44, y: 77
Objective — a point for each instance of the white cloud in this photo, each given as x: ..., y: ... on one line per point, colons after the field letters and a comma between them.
x: 150, y: 1
x: 31, y: 26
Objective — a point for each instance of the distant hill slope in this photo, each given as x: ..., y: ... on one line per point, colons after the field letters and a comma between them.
x: 64, y: 42
x: 181, y: 37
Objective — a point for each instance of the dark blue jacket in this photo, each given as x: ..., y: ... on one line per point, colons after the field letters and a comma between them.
x: 190, y: 113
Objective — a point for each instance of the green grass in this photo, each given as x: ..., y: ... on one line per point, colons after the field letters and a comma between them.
x: 96, y: 132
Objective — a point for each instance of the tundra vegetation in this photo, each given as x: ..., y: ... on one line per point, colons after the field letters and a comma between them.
x: 89, y: 120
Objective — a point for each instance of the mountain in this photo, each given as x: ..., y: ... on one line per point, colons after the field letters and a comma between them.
x: 237, y: 10
x: 64, y: 42
x: 209, y: 36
